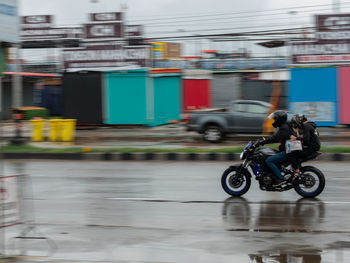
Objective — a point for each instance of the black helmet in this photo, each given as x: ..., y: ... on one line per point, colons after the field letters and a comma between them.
x: 298, y: 121
x: 279, y: 118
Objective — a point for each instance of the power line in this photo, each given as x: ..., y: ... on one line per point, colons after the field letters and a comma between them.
x: 221, y: 29
x: 221, y: 22
x: 264, y: 32
x: 281, y: 31
x: 257, y: 39
x: 231, y: 18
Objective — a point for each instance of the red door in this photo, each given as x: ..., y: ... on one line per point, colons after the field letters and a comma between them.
x: 196, y: 94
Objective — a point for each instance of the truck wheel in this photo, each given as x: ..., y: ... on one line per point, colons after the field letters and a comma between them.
x: 213, y: 134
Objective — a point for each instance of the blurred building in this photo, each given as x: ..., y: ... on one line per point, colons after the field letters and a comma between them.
x: 320, y: 72
x: 104, y: 42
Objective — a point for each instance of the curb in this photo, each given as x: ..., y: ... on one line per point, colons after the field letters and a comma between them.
x: 336, y: 157
x: 44, y: 156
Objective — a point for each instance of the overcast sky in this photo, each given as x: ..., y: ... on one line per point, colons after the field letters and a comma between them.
x: 74, y: 11
x: 198, y: 16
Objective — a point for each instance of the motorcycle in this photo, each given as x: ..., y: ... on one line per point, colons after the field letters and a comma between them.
x: 236, y: 180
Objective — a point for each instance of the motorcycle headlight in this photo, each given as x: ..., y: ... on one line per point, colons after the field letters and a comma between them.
x: 241, y: 156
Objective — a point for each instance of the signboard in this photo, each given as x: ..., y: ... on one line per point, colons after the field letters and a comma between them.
x: 51, y: 33
x: 320, y: 111
x: 107, y: 57
x: 214, y: 64
x: 133, y: 30
x: 102, y: 44
x: 36, y: 21
x: 333, y: 27
x: 315, y: 52
x: 163, y: 50
x: 9, y: 24
x: 106, y: 17
x: 158, y: 50
x: 332, y: 43
x: 172, y: 51
x: 9, y: 201
x: 103, y: 30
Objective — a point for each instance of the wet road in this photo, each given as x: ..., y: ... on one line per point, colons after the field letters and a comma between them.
x: 174, y: 212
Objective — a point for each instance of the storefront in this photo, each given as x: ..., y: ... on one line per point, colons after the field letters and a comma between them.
x: 142, y: 97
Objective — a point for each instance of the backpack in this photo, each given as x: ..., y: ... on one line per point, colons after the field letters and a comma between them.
x: 316, y: 138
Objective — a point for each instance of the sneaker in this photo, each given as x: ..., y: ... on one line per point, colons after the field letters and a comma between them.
x: 279, y: 182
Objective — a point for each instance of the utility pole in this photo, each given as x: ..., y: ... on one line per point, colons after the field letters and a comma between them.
x: 336, y: 6
x: 17, y: 80
x: 17, y: 99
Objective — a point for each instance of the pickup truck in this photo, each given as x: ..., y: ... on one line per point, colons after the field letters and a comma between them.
x: 243, y: 116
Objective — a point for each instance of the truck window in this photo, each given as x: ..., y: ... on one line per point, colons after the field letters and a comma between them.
x: 256, y: 108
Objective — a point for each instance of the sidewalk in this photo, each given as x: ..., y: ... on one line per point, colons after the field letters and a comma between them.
x: 172, y: 133
x: 169, y: 137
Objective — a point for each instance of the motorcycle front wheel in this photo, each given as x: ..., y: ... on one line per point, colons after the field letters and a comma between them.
x: 235, y: 181
x: 310, y: 183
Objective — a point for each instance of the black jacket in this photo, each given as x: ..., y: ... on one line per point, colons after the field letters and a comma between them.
x: 281, y: 135
x: 310, y: 139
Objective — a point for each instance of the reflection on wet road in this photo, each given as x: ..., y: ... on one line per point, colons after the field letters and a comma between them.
x: 176, y: 212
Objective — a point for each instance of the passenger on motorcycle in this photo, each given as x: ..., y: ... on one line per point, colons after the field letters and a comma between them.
x: 282, y: 133
x: 306, y: 132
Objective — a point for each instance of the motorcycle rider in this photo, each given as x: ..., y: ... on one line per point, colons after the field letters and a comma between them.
x: 311, y: 142
x: 283, y: 132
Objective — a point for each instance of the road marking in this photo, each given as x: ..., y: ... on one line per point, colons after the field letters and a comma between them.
x: 160, y: 200
x: 132, y: 198
x: 143, y: 199
x: 288, y: 230
x: 310, y: 202
x: 336, y: 202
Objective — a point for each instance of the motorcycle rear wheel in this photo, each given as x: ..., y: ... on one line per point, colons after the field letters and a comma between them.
x: 235, y: 183
x: 310, y: 183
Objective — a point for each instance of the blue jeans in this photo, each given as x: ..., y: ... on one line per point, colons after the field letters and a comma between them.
x: 276, y: 159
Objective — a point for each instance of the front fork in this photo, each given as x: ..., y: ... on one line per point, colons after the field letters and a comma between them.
x: 244, y: 166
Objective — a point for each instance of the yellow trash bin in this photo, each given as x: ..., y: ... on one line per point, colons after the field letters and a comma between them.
x: 37, y: 130
x: 68, y: 130
x: 55, y: 133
